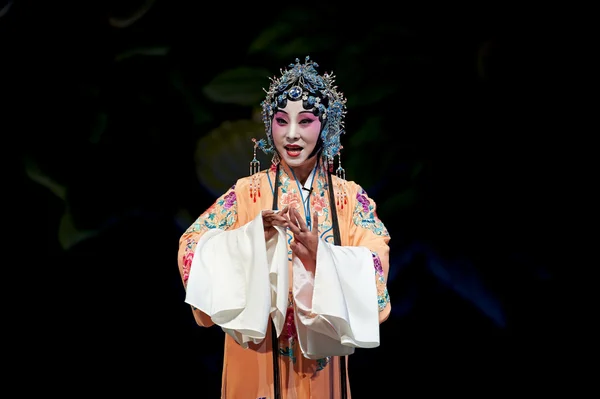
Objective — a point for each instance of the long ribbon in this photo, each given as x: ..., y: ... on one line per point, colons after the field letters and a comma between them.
x: 337, y: 241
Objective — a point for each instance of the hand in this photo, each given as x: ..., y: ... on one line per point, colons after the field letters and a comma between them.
x: 305, y: 242
x: 272, y: 219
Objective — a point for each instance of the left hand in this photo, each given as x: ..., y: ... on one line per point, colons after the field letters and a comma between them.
x: 305, y: 242
x: 272, y: 219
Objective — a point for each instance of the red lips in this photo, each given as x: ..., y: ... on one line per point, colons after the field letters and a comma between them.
x: 293, y: 150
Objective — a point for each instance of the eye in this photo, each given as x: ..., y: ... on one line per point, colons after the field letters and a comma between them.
x: 280, y: 121
x: 306, y: 121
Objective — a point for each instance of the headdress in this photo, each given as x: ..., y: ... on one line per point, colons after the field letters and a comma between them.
x: 302, y: 81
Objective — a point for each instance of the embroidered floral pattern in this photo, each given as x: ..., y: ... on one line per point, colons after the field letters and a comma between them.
x: 188, y: 256
x: 377, y: 265
x: 322, y: 363
x: 288, y: 351
x: 365, y: 216
x: 382, y: 293
x: 289, y: 333
x: 289, y: 327
x: 291, y: 199
x: 383, y: 296
x: 221, y: 215
x: 318, y: 203
x: 229, y: 200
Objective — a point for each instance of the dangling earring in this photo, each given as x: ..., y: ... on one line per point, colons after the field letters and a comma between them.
x: 340, y: 172
x: 254, y: 169
x: 342, y: 197
x: 255, y: 163
x: 275, y: 161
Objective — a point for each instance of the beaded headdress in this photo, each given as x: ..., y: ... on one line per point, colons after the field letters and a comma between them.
x: 302, y: 82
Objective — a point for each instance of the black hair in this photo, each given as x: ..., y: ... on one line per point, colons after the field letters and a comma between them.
x: 316, y: 112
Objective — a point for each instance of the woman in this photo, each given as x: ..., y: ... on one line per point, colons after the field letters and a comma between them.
x: 293, y: 250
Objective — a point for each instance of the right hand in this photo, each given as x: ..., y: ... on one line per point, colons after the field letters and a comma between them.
x: 272, y: 219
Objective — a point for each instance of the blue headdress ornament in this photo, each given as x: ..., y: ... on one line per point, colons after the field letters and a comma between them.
x: 302, y: 81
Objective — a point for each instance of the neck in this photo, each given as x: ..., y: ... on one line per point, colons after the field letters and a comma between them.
x: 303, y: 171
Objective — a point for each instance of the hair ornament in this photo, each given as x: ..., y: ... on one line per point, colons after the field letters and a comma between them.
x: 301, y: 81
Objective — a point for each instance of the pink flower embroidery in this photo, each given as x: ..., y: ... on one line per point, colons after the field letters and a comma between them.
x: 290, y: 199
x: 318, y: 203
x: 289, y: 328
x: 187, y: 264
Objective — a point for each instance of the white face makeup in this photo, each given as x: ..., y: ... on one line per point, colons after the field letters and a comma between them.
x: 295, y: 135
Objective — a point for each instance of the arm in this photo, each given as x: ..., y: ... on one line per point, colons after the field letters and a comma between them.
x: 236, y: 271
x: 367, y: 230
x: 221, y: 215
x: 341, y: 295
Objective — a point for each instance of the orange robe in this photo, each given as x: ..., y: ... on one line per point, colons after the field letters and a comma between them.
x: 248, y: 369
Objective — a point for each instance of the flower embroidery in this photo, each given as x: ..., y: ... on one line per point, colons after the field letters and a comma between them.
x: 289, y: 328
x: 322, y: 363
x: 363, y: 201
x: 187, y: 264
x: 318, y: 203
x: 383, y: 297
x: 229, y: 200
x: 365, y: 216
x: 377, y: 264
x: 290, y: 199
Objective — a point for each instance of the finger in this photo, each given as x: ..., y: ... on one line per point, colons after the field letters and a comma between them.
x: 273, y: 216
x: 293, y: 216
x: 299, y: 220
x: 282, y: 212
x: 281, y: 222
x: 267, y: 219
x: 315, y: 223
x: 292, y: 225
x: 295, y: 230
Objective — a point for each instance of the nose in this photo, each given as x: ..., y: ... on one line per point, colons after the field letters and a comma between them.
x: 292, y: 132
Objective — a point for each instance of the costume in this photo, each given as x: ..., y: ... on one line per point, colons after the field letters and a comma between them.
x: 249, y: 287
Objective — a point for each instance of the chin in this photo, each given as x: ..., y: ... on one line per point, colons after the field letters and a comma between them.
x: 293, y: 162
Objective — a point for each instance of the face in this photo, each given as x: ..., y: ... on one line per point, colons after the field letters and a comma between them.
x: 295, y: 134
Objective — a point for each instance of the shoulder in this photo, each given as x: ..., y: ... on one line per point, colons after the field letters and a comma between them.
x: 242, y: 182
x: 349, y: 186
x: 246, y: 181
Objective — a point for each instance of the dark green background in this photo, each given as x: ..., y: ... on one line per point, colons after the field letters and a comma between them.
x: 123, y: 132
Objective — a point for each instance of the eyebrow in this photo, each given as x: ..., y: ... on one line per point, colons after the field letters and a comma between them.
x: 301, y: 112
